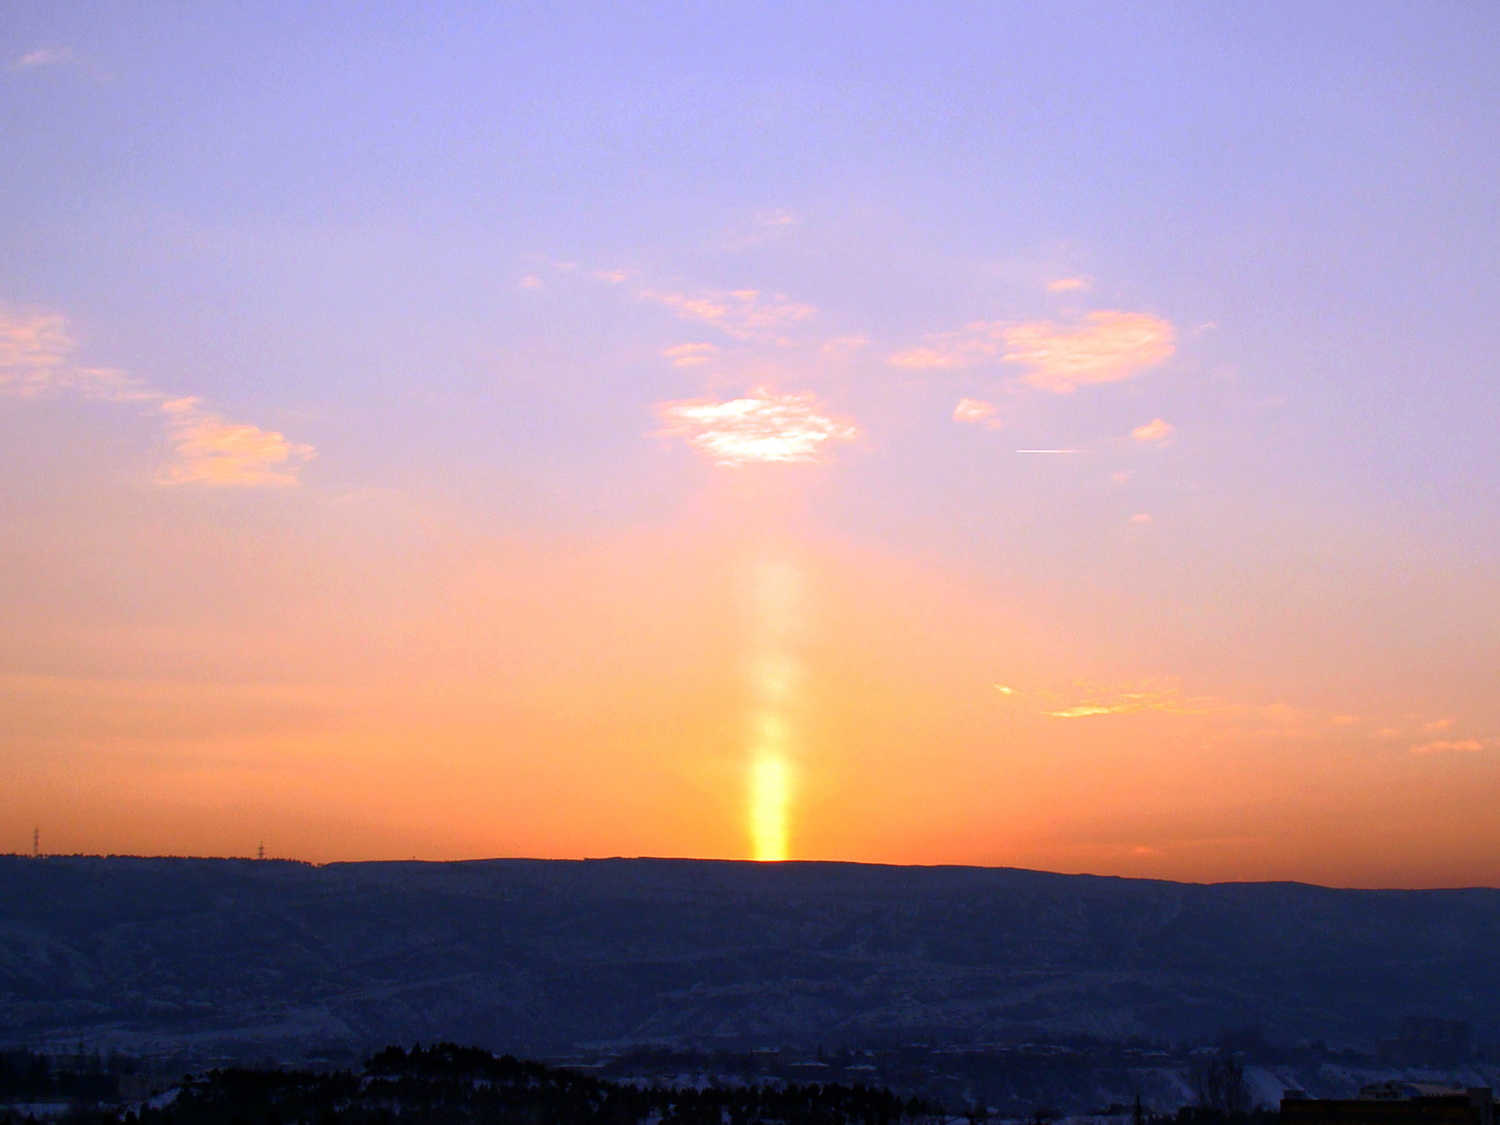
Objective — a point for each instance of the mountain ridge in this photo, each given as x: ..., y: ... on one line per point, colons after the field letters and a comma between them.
x: 544, y: 955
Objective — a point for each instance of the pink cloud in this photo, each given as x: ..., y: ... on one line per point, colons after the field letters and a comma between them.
x: 843, y: 345
x: 1155, y: 432
x: 691, y: 355
x: 927, y: 357
x: 1107, y: 347
x: 1067, y: 284
x: 741, y: 313
x: 45, y: 56
x: 762, y: 427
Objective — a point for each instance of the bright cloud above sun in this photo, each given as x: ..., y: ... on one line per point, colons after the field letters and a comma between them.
x: 36, y: 359
x: 1104, y: 347
x: 976, y: 412
x: 761, y: 427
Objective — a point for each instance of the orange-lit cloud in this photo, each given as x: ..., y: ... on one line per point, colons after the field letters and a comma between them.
x: 1067, y: 284
x: 1154, y: 432
x: 762, y: 427
x: 1106, y: 347
x: 741, y: 313
x: 691, y: 355
x: 215, y: 452
x: 976, y: 411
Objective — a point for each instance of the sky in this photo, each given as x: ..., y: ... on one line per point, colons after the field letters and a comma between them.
x: 1035, y: 434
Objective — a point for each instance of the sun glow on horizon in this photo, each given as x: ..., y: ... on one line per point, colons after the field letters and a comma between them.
x: 770, y: 804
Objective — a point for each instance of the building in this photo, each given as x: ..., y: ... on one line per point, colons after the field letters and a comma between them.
x: 1393, y: 1103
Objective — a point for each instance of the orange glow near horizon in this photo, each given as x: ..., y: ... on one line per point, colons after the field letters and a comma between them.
x: 797, y: 700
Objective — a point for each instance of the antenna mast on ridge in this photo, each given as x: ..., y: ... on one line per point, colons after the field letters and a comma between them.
x: 260, y: 852
x: 36, y: 842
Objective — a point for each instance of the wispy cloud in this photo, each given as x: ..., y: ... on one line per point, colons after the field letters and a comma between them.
x: 1068, y: 284
x: 959, y: 353
x: 691, y: 355
x: 34, y: 352
x: 762, y: 427
x: 1115, y: 701
x: 36, y: 359
x: 1154, y: 432
x: 1105, y: 347
x: 43, y: 56
x: 1456, y: 746
x: 843, y: 345
x: 742, y: 313
x: 778, y: 217
x: 977, y: 412
x: 213, y: 451
x: 531, y: 281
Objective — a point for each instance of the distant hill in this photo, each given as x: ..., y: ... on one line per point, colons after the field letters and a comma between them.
x: 538, y: 956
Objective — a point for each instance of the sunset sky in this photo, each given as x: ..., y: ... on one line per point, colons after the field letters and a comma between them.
x: 1048, y: 435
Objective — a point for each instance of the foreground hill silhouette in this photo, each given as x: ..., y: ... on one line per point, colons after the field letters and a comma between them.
x: 450, y: 1085
x: 538, y: 957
